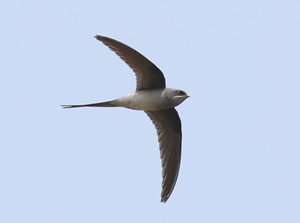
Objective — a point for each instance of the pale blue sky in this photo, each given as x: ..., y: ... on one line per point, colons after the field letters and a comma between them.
x: 239, y: 60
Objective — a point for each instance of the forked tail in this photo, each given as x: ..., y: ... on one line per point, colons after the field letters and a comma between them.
x: 101, y: 104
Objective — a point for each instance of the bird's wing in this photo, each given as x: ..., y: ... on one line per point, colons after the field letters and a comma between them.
x: 147, y: 74
x: 168, y: 126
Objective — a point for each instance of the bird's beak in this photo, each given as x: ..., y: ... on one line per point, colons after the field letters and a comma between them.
x: 187, y: 96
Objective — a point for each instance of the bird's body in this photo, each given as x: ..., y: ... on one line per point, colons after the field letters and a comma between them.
x: 146, y: 100
x: 158, y: 102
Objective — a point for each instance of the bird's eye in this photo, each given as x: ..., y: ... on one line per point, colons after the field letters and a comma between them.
x: 180, y: 92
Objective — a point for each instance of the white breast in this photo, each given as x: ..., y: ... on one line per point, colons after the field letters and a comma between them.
x: 147, y: 100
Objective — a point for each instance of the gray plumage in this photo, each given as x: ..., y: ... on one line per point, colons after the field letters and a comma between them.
x: 158, y: 102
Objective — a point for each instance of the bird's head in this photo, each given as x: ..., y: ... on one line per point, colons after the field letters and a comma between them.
x: 175, y: 95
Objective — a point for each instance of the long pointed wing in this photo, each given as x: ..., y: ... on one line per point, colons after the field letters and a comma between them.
x: 168, y: 126
x: 147, y: 74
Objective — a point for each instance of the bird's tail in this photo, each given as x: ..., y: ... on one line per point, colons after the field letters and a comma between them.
x: 101, y: 104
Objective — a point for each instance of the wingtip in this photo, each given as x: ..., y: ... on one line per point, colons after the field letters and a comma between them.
x: 100, y: 38
x: 164, y: 198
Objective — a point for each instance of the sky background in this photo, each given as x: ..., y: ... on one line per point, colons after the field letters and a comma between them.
x: 239, y: 61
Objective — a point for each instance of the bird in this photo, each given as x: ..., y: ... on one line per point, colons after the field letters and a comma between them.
x: 158, y: 102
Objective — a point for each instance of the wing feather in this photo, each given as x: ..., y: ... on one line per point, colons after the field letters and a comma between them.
x: 148, y: 76
x: 168, y: 126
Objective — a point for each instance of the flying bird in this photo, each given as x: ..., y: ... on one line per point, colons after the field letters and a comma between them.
x: 158, y: 102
